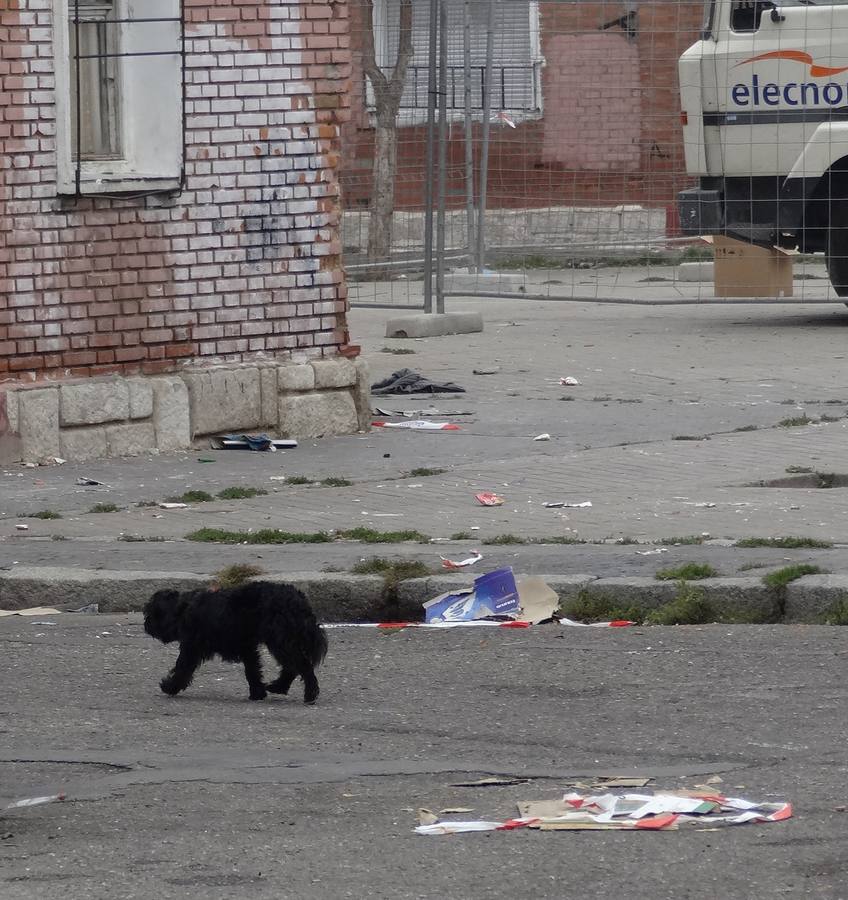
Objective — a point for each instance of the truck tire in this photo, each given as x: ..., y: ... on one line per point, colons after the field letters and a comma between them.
x: 837, y: 246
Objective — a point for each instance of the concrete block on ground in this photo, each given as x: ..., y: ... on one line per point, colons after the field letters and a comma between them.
x: 623, y: 592
x: 472, y: 282
x: 171, y: 415
x: 362, y: 394
x: 224, y: 400
x: 809, y: 599
x: 434, y: 324
x: 10, y: 441
x: 695, y: 271
x: 141, y: 398
x: 744, y: 600
x: 65, y: 587
x: 130, y: 439
x: 94, y: 402
x: 316, y: 415
x: 268, y: 392
x: 334, y: 373
x: 81, y: 444
x: 295, y: 378
x: 39, y: 424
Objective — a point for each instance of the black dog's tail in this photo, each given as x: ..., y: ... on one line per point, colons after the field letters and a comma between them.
x: 316, y: 644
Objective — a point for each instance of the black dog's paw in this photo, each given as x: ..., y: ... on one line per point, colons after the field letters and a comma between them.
x: 170, y: 687
x: 260, y: 694
x: 309, y: 697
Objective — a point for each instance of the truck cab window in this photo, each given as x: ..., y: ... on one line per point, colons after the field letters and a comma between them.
x: 745, y: 15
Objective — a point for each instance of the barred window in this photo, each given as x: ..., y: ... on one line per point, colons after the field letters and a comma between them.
x: 517, y: 57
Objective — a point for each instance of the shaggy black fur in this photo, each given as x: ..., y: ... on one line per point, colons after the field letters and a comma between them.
x: 232, y: 624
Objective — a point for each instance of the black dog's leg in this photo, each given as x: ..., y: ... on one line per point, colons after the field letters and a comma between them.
x: 179, y: 678
x: 253, y: 673
x: 310, y: 683
x: 283, y: 681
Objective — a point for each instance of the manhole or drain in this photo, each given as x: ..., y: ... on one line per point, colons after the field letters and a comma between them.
x: 813, y: 480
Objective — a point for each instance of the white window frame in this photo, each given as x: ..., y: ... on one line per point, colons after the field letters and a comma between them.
x: 415, y: 116
x: 149, y: 105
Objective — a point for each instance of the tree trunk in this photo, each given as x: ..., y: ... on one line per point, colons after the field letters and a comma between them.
x: 383, y: 192
x: 388, y: 92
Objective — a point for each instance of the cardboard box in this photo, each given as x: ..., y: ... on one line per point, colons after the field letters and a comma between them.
x: 745, y: 270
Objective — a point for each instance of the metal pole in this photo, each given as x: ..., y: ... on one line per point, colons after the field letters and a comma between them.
x: 484, y: 152
x: 469, y: 139
x: 430, y: 157
x: 443, y: 156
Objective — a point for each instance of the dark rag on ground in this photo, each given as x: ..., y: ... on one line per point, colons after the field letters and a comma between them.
x: 405, y: 381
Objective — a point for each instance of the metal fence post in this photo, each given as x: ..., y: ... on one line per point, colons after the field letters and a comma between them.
x: 430, y: 158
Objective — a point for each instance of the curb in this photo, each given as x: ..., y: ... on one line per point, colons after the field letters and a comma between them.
x: 342, y: 597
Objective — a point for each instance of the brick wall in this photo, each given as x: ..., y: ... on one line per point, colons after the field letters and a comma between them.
x: 243, y: 262
x: 625, y: 89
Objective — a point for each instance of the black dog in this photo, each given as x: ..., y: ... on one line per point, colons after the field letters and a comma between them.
x: 232, y: 624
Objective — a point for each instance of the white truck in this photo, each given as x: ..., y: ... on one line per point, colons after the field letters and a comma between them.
x: 765, y: 119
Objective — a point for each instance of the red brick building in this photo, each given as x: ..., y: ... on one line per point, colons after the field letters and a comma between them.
x: 591, y: 87
x: 169, y: 210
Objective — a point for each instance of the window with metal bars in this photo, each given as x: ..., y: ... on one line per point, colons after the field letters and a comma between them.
x: 119, y: 95
x: 516, y: 83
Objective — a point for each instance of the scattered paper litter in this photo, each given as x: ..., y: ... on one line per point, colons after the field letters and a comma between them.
x: 569, y: 380
x: 85, y: 480
x: 490, y: 781
x: 21, y: 527
x: 173, y: 505
x: 427, y: 817
x: 461, y: 564
x: 615, y: 623
x: 561, y: 504
x: 652, y: 552
x: 489, y: 499
x: 418, y: 413
x: 33, y: 801
x: 476, y: 623
x: 419, y: 425
x: 542, y: 437
x: 31, y: 611
x: 651, y: 812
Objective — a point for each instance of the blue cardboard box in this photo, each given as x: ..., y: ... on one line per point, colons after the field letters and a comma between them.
x: 493, y: 594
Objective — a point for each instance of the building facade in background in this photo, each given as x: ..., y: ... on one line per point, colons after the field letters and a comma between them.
x: 169, y: 224
x: 585, y: 103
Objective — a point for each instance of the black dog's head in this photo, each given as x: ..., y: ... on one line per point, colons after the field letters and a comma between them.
x: 162, y: 615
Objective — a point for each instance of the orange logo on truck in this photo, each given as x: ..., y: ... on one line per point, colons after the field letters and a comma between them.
x: 797, y: 56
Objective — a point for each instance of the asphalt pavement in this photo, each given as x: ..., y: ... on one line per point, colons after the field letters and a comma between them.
x: 210, y: 794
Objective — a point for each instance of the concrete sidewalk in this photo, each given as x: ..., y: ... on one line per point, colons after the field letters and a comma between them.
x: 680, y: 416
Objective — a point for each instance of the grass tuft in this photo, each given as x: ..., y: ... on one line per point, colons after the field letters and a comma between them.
x: 238, y: 573
x: 461, y: 536
x: 336, y: 481
x: 299, y: 479
x: 371, y: 536
x: 689, y: 607
x: 263, y: 536
x: 690, y: 571
x: 192, y: 496
x: 42, y: 514
x: 779, y: 579
x: 241, y: 493
x: 591, y: 607
x: 104, y: 508
x: 503, y: 539
x: 795, y: 422
x: 786, y: 543
x: 838, y: 613
x: 424, y: 472
x: 686, y: 539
